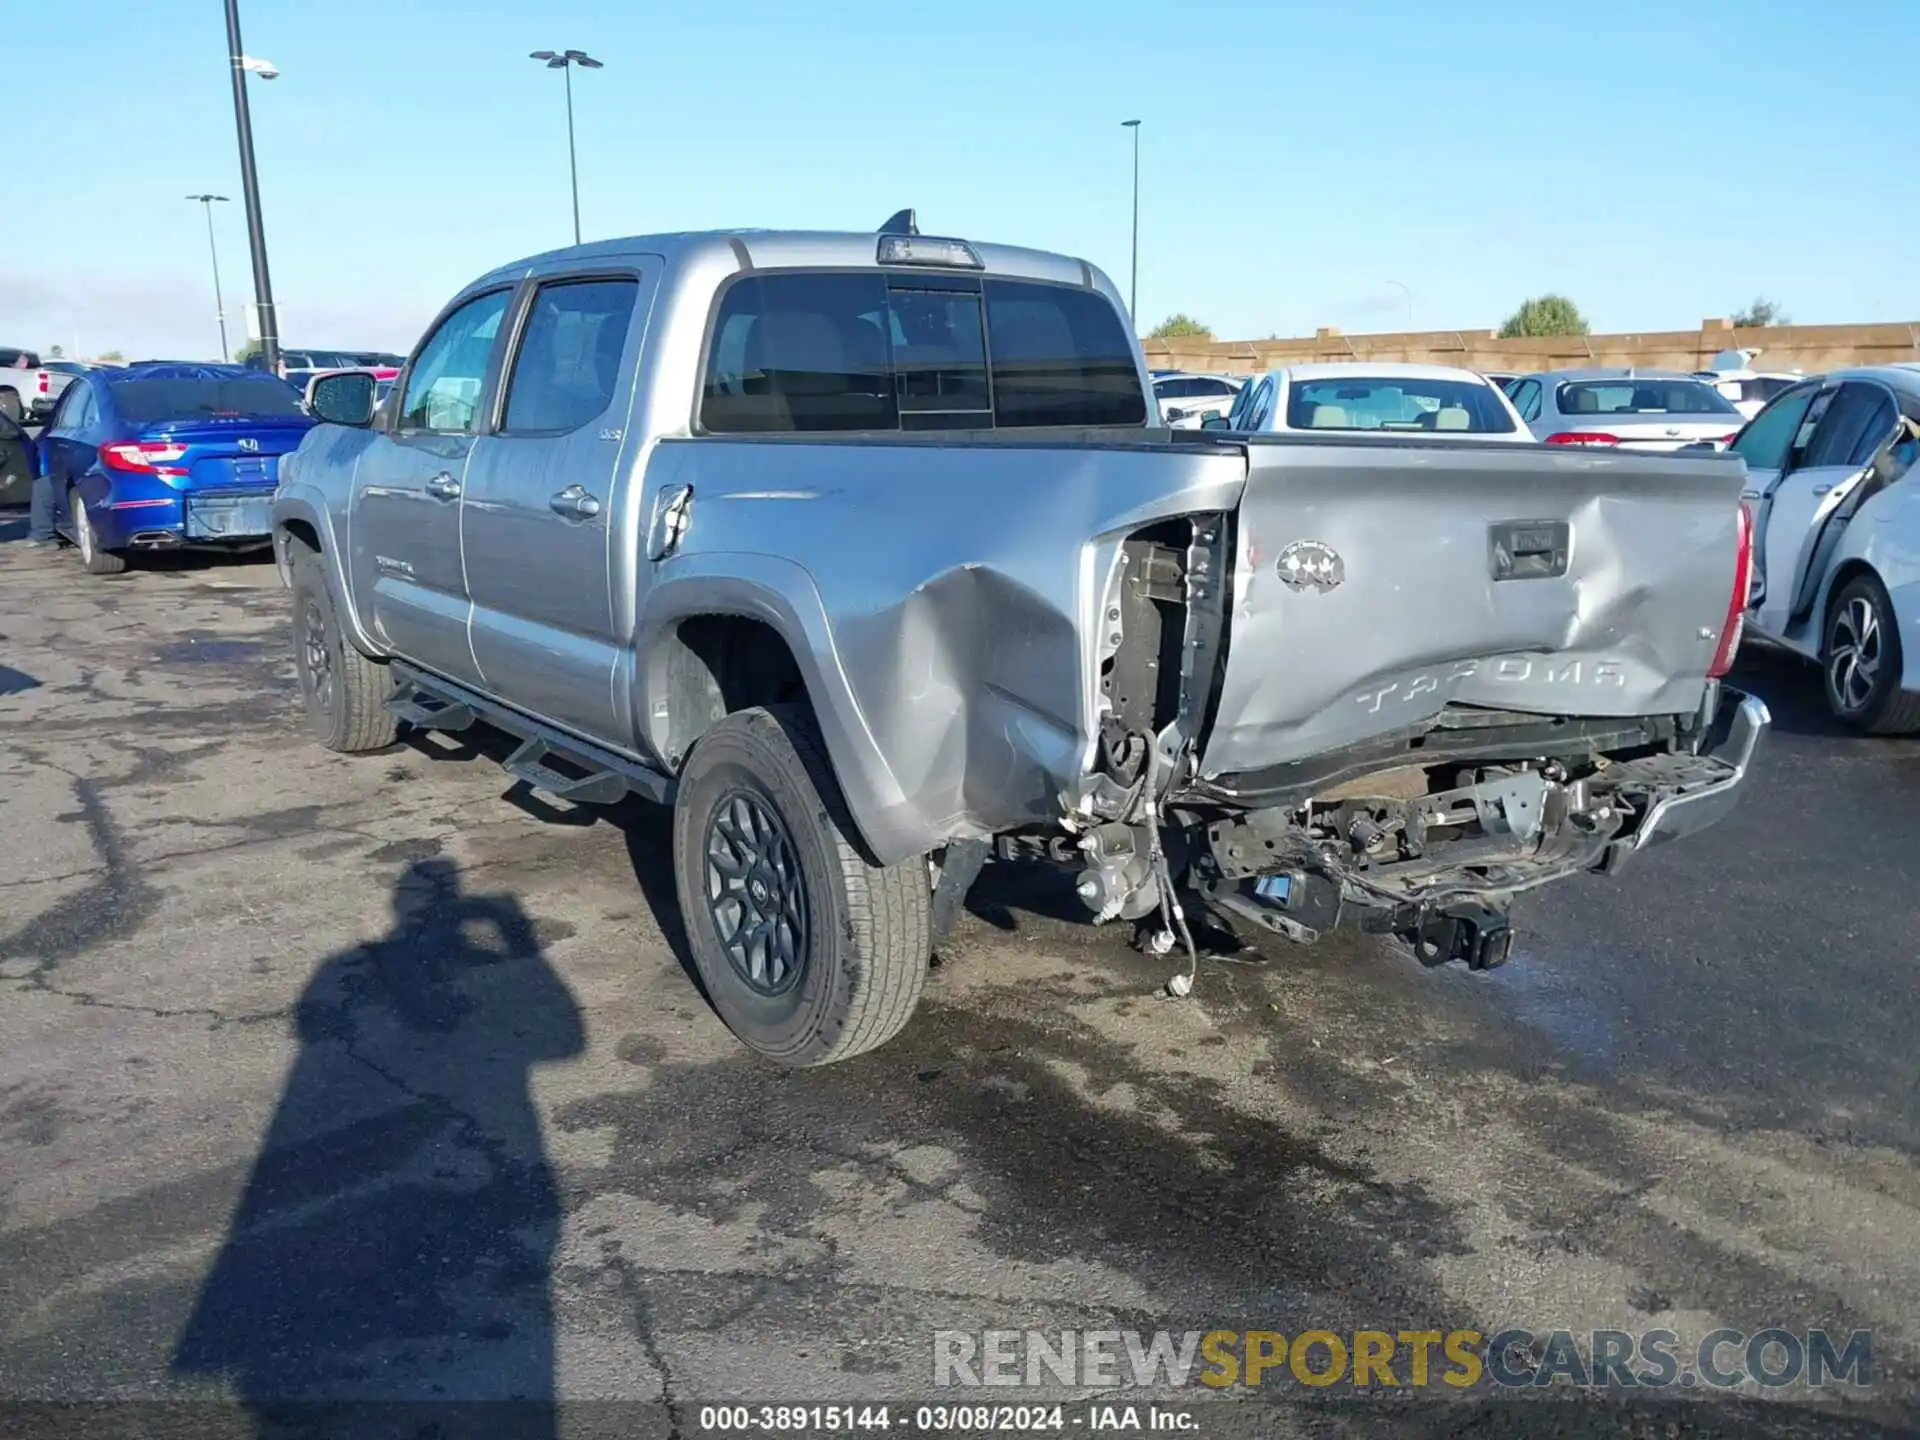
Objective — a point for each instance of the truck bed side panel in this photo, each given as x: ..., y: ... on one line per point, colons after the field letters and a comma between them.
x: 960, y: 584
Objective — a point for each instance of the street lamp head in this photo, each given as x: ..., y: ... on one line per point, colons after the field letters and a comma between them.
x: 561, y: 59
x: 1130, y: 124
x: 265, y: 69
x: 207, y: 199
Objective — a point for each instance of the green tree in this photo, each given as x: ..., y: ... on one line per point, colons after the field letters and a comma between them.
x: 246, y: 352
x: 1761, y: 312
x: 1180, y: 327
x: 1544, y: 315
x: 113, y: 357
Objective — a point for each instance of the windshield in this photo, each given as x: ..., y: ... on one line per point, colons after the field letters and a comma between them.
x: 146, y: 402
x: 1642, y: 397
x: 1399, y: 404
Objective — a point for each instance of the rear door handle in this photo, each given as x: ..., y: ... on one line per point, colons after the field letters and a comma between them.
x: 444, y: 487
x: 574, y: 503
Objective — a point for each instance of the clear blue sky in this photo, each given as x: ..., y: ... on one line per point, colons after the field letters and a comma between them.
x: 1656, y: 162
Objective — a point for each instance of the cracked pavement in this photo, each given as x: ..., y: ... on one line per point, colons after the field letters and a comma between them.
x: 374, y: 1078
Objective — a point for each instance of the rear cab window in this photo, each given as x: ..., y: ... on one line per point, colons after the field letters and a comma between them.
x: 1411, y: 405
x: 1628, y: 396
x: 810, y: 351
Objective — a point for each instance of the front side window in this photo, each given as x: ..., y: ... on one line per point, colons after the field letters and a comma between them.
x: 873, y: 351
x: 1763, y: 444
x: 1409, y: 405
x: 1631, y: 396
x: 568, y: 363
x: 443, y: 389
x: 1525, y: 395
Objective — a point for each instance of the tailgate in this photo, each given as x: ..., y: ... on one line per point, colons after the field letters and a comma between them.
x: 1375, y: 583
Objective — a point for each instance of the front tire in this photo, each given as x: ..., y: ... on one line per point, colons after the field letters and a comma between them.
x: 1861, y: 662
x: 97, y: 561
x: 809, y: 951
x: 10, y: 405
x: 345, y: 692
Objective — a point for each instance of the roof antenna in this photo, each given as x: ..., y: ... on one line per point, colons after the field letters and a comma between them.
x: 901, y: 223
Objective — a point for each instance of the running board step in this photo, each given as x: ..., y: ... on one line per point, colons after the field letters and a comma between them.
x: 596, y: 787
x: 429, y: 712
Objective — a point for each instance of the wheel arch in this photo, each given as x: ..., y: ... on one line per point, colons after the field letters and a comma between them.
x: 717, y: 633
x: 300, y: 518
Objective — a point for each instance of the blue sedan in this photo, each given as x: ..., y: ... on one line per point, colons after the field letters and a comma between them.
x: 165, y: 456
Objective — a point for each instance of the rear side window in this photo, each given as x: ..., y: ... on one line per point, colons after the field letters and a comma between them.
x: 1395, y: 404
x: 568, y: 363
x: 146, y: 402
x: 1857, y: 423
x: 1643, y: 397
x: 870, y: 351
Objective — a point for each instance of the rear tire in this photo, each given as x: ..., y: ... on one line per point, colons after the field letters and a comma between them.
x: 97, y: 561
x: 809, y: 951
x: 345, y: 692
x: 1861, y: 663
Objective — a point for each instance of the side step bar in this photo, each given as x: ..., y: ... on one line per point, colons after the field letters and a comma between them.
x: 585, y: 773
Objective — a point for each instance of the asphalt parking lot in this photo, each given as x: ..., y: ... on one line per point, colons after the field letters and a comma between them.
x: 375, y: 1079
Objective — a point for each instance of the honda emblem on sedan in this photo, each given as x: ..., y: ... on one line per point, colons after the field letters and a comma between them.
x: 247, y: 442
x: 1310, y: 565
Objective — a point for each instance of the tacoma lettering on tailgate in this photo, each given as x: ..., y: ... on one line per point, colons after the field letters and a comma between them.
x: 1515, y: 669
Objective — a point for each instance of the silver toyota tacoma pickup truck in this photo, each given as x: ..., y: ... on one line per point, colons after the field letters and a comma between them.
x: 865, y: 553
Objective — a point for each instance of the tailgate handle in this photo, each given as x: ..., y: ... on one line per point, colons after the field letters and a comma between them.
x: 1529, y: 549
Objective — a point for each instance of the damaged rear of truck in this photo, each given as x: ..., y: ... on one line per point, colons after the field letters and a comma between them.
x: 1290, y: 683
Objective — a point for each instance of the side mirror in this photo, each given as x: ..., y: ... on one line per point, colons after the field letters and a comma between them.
x: 1172, y: 413
x: 345, y: 398
x: 11, y: 429
x: 1214, y: 422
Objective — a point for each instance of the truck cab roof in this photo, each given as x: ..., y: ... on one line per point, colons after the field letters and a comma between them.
x: 806, y: 249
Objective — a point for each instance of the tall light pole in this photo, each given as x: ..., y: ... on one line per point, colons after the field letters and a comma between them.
x: 219, y: 305
x: 1133, y: 288
x: 1409, y: 294
x: 564, y: 61
x: 250, y: 186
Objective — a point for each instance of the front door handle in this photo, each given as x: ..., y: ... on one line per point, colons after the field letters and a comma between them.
x: 574, y: 503
x: 444, y: 487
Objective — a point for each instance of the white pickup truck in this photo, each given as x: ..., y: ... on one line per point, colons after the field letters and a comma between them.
x: 29, y: 387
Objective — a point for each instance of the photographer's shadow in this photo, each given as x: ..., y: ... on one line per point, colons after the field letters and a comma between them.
x: 394, y: 1240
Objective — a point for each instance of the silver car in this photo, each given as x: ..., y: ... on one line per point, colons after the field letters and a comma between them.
x: 1187, y: 399
x: 1382, y: 399
x: 1837, y: 537
x: 1636, y: 409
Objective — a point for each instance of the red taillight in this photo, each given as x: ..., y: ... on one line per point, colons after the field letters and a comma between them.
x: 1736, y: 606
x: 142, y: 458
x: 43, y: 382
x: 1726, y: 439
x: 1583, y: 437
